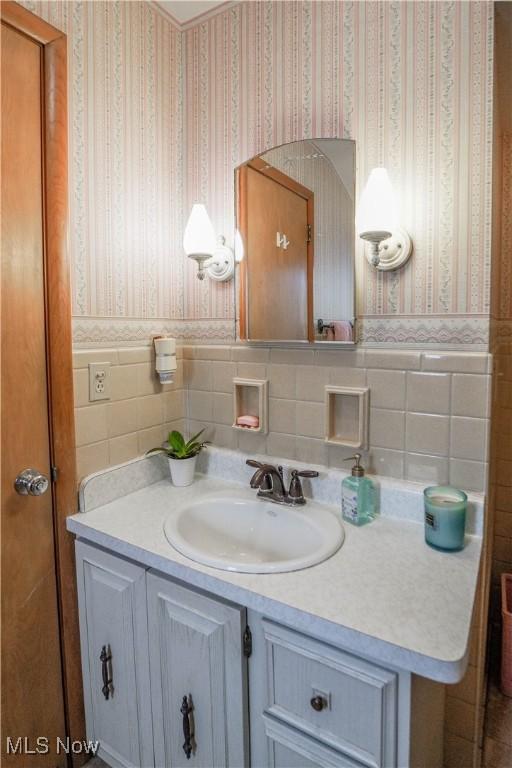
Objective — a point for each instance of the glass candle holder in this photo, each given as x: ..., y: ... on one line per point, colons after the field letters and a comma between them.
x: 445, y: 517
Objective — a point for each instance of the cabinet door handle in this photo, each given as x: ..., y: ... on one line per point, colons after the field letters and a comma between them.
x: 318, y: 703
x: 185, y: 710
x: 106, y: 658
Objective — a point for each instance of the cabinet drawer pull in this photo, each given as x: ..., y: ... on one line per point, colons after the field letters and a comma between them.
x: 106, y: 658
x: 185, y: 710
x: 318, y: 703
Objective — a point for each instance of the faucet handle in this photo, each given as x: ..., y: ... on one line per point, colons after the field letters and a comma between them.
x: 295, y: 491
x: 259, y: 479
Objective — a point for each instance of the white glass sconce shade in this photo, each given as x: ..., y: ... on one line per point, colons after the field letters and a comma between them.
x: 213, y: 257
x: 239, y: 246
x: 377, y: 222
x: 199, y: 235
x: 377, y: 206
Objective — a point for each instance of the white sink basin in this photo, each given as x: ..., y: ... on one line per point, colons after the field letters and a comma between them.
x: 233, y: 532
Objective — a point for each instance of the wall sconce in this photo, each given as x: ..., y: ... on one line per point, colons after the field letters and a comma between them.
x: 213, y: 256
x: 389, y: 246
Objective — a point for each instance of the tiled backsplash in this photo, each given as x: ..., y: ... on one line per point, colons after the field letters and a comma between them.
x: 428, y: 412
x: 138, y: 416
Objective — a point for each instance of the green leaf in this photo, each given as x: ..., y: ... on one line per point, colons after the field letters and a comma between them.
x: 176, y: 441
x: 193, y: 439
x: 177, y: 448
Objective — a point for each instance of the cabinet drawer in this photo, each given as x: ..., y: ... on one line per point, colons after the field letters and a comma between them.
x: 289, y: 748
x: 359, y: 699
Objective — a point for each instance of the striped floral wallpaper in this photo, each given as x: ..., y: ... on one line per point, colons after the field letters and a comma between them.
x: 125, y: 164
x: 159, y: 117
x: 412, y: 83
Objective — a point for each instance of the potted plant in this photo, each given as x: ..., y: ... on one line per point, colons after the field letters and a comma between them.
x: 182, y: 456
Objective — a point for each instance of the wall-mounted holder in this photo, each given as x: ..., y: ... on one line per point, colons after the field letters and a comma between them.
x: 346, y: 416
x: 250, y: 398
x: 165, y: 362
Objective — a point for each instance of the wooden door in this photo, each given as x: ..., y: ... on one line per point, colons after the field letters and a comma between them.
x: 40, y: 673
x: 113, y: 616
x: 276, y: 225
x: 32, y: 692
x: 196, y: 653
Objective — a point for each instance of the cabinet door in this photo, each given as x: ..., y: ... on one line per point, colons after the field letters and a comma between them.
x: 196, y: 652
x: 113, y: 620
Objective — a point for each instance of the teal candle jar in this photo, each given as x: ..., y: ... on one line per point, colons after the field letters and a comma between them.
x: 445, y: 517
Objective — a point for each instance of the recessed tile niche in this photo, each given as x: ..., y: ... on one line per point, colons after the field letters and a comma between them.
x: 346, y: 416
x: 250, y: 398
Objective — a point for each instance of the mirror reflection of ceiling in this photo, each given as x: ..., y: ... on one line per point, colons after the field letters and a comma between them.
x: 186, y: 10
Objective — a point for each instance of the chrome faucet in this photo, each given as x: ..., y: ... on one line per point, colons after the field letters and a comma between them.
x: 270, y: 483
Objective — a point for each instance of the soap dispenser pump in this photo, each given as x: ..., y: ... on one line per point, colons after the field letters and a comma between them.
x: 357, y: 495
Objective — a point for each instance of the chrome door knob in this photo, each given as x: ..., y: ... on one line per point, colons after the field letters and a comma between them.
x: 30, y: 482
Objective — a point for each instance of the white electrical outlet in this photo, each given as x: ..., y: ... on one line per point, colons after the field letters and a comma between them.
x: 99, y: 381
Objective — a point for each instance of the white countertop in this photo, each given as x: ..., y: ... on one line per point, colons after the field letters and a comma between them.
x: 385, y: 594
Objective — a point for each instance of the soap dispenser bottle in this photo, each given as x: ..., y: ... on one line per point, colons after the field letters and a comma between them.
x: 357, y: 495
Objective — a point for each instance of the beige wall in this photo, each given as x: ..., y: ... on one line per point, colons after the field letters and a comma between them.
x: 465, y: 702
x: 428, y: 415
x: 139, y: 415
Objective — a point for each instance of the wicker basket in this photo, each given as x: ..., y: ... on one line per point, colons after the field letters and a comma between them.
x: 506, y: 638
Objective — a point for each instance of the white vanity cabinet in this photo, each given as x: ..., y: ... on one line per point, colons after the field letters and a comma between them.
x: 115, y: 656
x: 196, y: 660
x: 147, y: 643
x: 168, y: 684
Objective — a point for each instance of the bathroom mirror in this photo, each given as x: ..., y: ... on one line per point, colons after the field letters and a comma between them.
x: 295, y: 212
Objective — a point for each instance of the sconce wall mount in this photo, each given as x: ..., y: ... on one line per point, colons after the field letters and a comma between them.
x: 388, y: 245
x: 391, y: 252
x: 222, y: 264
x: 214, y: 258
